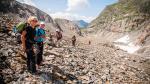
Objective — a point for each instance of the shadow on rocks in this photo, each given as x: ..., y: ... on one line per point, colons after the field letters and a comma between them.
x: 57, y: 76
x: 145, y: 66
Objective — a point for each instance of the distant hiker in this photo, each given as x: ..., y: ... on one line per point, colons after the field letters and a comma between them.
x: 27, y: 39
x: 89, y: 42
x: 58, y: 37
x: 39, y: 38
x: 74, y: 40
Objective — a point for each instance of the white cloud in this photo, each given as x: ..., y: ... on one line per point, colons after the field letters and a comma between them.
x: 77, y: 5
x: 70, y: 16
x: 69, y: 13
x: 73, y: 6
x: 29, y: 2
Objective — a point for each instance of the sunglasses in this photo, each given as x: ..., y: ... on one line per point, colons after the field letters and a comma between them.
x: 34, y: 20
x: 42, y: 24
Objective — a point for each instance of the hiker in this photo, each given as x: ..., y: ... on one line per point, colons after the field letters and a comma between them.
x: 27, y: 39
x: 39, y: 39
x: 89, y: 42
x: 73, y: 40
x: 58, y: 37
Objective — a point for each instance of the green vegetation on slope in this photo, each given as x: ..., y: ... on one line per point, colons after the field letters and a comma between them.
x: 135, y: 12
x: 142, y: 6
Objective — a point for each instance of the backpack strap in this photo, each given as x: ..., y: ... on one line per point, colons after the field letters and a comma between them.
x: 26, y: 24
x: 39, y: 32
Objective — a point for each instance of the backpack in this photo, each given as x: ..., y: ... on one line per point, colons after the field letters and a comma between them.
x: 20, y: 26
x: 39, y: 33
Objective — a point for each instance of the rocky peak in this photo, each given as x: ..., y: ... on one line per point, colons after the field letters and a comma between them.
x: 22, y: 11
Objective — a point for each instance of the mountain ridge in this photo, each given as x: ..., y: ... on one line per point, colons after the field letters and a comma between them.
x: 21, y: 11
x: 81, y: 23
x: 126, y: 11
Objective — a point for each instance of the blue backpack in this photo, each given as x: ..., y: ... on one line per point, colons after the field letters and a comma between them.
x: 39, y: 32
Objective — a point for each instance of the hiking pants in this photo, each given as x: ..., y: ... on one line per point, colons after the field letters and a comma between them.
x: 73, y: 42
x: 39, y: 53
x: 30, y: 58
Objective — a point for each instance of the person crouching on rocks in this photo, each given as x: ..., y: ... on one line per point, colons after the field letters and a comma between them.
x: 39, y: 38
x: 27, y: 39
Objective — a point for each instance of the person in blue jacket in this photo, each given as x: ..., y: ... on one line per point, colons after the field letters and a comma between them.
x: 39, y: 39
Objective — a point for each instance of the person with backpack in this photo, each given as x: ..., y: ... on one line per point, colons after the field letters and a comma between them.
x: 58, y: 37
x: 27, y: 38
x: 89, y: 42
x: 73, y: 40
x: 39, y: 38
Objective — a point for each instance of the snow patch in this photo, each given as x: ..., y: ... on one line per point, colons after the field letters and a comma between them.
x: 129, y: 46
x: 124, y: 39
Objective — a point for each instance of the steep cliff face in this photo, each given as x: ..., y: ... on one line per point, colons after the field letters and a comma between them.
x: 22, y: 11
x: 27, y: 10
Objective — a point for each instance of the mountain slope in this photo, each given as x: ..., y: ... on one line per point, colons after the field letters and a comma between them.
x: 81, y: 23
x: 69, y: 28
x: 125, y: 22
x: 123, y: 16
x: 21, y: 11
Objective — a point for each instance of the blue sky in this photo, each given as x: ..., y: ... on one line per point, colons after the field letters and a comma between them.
x: 71, y: 9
